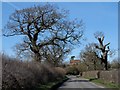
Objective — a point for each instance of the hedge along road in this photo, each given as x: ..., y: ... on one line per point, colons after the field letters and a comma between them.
x: 75, y: 83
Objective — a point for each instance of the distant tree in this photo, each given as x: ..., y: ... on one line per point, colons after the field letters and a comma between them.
x: 72, y: 57
x: 43, y: 26
x: 72, y: 70
x: 104, y: 48
x: 115, y: 64
x: 90, y: 57
x: 82, y: 66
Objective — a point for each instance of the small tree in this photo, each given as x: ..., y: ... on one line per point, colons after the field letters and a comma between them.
x: 115, y: 64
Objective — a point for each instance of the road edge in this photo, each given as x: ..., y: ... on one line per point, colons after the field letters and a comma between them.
x: 54, y: 87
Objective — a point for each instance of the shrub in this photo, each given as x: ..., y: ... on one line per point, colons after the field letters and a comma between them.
x: 20, y: 74
x: 12, y: 68
x: 60, y: 72
x: 73, y: 70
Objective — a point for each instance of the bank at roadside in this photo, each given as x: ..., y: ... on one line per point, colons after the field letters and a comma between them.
x: 108, y: 79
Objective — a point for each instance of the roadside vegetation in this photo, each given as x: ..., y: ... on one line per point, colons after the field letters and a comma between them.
x: 48, y: 37
x: 94, y: 56
x: 94, y: 60
x: 22, y: 74
x: 104, y: 83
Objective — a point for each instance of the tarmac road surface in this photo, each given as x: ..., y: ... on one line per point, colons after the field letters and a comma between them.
x: 75, y: 83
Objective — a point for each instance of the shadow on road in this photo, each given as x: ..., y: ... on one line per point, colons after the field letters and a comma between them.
x: 87, y: 89
x: 77, y: 81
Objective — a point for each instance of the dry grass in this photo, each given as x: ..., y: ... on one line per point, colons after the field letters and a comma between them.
x: 18, y: 74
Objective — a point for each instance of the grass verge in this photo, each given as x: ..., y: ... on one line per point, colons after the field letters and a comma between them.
x: 103, y: 83
x: 106, y: 84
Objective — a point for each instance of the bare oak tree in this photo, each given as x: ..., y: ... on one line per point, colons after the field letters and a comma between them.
x: 42, y: 26
x: 104, y: 48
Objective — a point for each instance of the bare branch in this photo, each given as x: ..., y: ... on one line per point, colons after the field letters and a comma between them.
x: 44, y: 26
x: 107, y: 44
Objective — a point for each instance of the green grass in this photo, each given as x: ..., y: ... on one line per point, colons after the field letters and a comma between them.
x: 104, y: 84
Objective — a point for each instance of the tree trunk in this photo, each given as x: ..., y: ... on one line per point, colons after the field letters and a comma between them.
x: 106, y: 65
x: 37, y: 57
x: 105, y: 60
x: 94, y: 65
x: 35, y: 49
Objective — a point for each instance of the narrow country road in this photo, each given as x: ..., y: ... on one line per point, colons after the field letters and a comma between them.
x: 75, y: 82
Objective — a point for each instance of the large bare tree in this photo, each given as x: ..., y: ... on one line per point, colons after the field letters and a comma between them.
x: 104, y: 48
x: 43, y: 26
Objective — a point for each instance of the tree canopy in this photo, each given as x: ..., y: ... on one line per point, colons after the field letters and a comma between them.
x: 41, y: 26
